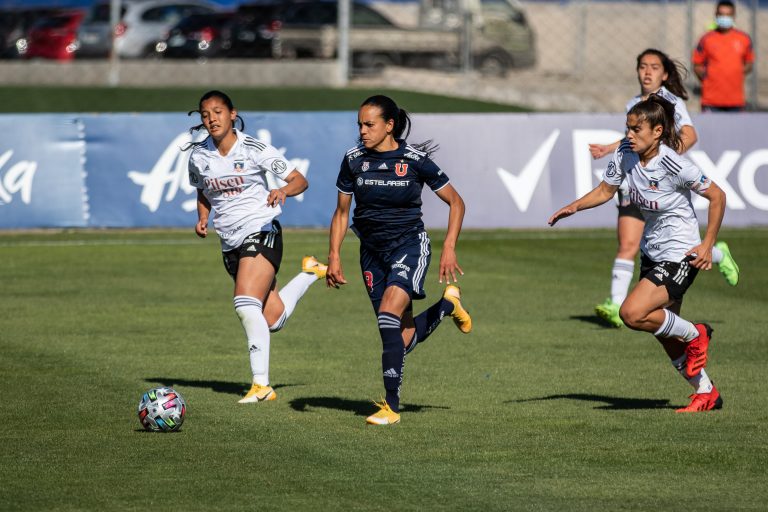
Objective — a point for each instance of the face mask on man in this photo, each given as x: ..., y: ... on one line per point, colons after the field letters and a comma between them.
x: 724, y: 22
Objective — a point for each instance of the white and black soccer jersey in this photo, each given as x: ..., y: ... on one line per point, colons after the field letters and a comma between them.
x: 662, y: 190
x: 682, y: 117
x: 236, y: 186
x: 387, y: 190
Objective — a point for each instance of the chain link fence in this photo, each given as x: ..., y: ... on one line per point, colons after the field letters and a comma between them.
x: 581, y: 56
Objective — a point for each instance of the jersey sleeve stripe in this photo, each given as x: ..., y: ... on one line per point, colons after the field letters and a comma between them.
x: 670, y: 165
x: 418, y: 152
x: 344, y: 191
x: 443, y: 186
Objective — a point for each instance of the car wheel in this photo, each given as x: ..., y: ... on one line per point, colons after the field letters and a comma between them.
x: 494, y: 64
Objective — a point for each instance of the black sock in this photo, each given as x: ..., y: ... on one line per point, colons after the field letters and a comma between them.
x: 428, y: 320
x: 392, y: 357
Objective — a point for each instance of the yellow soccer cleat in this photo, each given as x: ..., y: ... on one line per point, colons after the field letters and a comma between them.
x: 258, y: 393
x: 385, y: 416
x: 460, y: 315
x: 310, y: 265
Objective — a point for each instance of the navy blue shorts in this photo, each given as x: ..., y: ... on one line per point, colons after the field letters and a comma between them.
x: 405, y: 267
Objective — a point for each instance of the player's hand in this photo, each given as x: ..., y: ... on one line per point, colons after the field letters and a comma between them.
x: 598, y: 151
x: 562, y: 213
x: 702, y: 256
x: 334, y: 276
x: 449, y: 266
x: 201, y: 228
x: 276, y: 196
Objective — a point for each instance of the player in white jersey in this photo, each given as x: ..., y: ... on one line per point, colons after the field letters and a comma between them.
x: 660, y: 183
x: 657, y: 74
x: 229, y: 170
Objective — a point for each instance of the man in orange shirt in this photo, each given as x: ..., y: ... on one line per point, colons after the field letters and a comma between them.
x: 721, y: 60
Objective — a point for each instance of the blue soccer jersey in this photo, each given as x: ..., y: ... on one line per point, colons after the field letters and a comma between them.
x: 387, y: 190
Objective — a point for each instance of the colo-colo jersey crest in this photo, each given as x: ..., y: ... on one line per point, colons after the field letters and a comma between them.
x: 387, y: 189
x: 236, y: 185
x: 662, y: 190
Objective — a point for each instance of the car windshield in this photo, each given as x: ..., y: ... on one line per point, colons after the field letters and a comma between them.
x: 100, y: 13
x: 198, y: 21
x: 325, y: 13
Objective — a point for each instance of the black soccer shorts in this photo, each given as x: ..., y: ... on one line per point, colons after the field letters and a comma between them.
x: 675, y: 276
x: 267, y: 243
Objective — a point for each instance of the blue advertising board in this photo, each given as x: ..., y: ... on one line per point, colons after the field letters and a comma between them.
x: 513, y: 170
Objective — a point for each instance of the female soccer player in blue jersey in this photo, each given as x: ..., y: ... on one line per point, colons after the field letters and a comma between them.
x: 229, y: 170
x: 385, y: 175
x: 656, y: 74
x: 660, y: 184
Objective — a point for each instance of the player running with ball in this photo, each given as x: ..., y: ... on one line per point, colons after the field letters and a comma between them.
x: 660, y: 184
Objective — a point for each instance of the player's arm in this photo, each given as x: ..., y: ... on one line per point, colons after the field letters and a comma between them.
x: 598, y: 151
x: 203, y: 212
x: 703, y: 251
x: 449, y: 264
x: 601, y: 194
x: 339, y: 223
x: 689, y: 137
x: 295, y: 184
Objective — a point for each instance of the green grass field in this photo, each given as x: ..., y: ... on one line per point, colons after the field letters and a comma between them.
x: 539, y: 408
x: 127, y: 99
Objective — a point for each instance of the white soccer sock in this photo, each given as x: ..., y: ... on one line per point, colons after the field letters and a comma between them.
x: 700, y: 382
x: 676, y: 327
x: 621, y: 277
x: 257, y: 332
x: 290, y: 294
x: 717, y: 255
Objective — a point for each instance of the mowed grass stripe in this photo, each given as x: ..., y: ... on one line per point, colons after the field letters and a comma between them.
x: 540, y: 408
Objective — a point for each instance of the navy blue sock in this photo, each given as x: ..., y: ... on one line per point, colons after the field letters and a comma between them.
x: 428, y: 320
x: 392, y: 357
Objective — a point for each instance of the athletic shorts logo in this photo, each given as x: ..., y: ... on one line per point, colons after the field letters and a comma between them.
x: 368, y: 278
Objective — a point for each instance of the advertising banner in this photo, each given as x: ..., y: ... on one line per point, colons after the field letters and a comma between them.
x: 41, y: 172
x: 513, y: 170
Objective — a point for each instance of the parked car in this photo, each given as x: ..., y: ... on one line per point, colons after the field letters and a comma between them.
x: 95, y: 35
x: 199, y: 35
x: 142, y: 25
x: 501, y: 37
x: 255, y: 29
x: 14, y: 28
x: 54, y: 37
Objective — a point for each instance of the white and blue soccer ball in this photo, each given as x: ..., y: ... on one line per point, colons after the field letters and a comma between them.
x: 162, y: 410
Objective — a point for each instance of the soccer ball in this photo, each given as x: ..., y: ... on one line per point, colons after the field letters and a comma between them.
x: 162, y: 410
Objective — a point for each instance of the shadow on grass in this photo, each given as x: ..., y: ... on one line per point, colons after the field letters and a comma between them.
x: 592, y: 319
x: 612, y: 403
x: 359, y: 407
x: 219, y: 386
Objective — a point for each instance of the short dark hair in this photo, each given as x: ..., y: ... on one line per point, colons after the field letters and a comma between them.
x: 725, y: 3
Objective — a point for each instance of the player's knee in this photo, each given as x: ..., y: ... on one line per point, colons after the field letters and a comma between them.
x: 632, y: 317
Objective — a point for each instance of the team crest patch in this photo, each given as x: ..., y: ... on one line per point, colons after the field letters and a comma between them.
x: 654, y: 185
x: 365, y: 166
x: 239, y: 166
